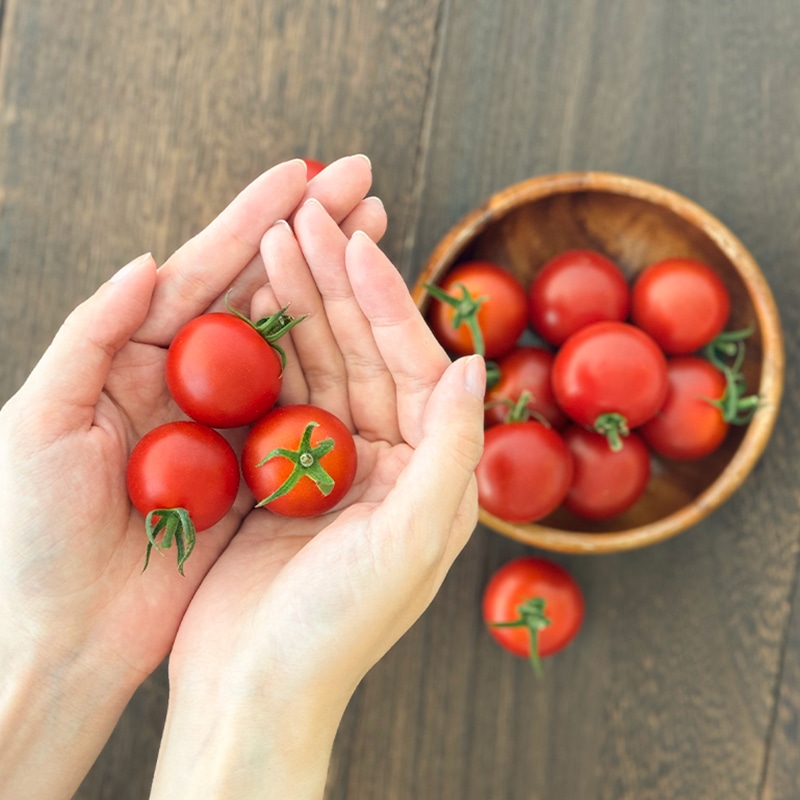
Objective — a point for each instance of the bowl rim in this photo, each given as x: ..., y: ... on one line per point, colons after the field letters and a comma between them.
x: 771, y: 376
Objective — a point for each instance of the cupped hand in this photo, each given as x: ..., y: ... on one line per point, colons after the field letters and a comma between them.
x: 73, y: 548
x: 310, y: 604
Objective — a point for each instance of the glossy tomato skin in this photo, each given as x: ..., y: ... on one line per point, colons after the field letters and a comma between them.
x: 184, y: 465
x: 222, y: 372
x: 524, y: 369
x: 525, y: 471
x: 688, y: 426
x: 523, y: 579
x: 605, y: 482
x: 573, y: 290
x: 610, y: 367
x: 283, y: 427
x: 502, y: 317
x: 313, y: 167
x: 682, y: 303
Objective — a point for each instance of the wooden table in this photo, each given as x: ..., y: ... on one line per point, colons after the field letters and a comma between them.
x: 125, y: 126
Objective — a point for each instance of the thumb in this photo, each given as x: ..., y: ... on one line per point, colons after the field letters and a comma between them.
x: 433, y: 487
x: 72, y: 371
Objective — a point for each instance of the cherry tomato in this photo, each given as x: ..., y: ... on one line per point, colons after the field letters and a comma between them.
x: 611, y: 377
x: 532, y: 601
x: 313, y: 167
x: 189, y: 475
x: 605, y: 482
x: 691, y: 423
x: 524, y: 369
x: 573, y: 290
x: 683, y: 304
x: 222, y: 371
x: 479, y: 307
x: 525, y: 471
x: 299, y: 461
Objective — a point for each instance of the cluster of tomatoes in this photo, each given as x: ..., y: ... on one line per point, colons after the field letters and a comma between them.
x: 225, y: 372
x: 618, y: 371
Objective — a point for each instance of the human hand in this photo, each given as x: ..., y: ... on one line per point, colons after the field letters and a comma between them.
x: 296, y: 611
x: 73, y: 599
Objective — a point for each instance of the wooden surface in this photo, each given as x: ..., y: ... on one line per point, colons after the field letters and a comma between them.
x: 124, y: 126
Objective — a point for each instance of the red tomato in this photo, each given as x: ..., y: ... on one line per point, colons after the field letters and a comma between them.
x: 683, y: 304
x: 611, y: 377
x: 313, y: 167
x: 525, y: 471
x: 691, y: 423
x: 479, y: 307
x: 573, y: 290
x: 189, y: 474
x: 532, y: 600
x: 302, y: 457
x: 524, y: 369
x: 222, y: 371
x: 606, y: 482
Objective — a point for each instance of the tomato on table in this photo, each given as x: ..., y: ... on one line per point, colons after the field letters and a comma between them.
x: 610, y: 377
x: 224, y: 370
x: 183, y: 478
x: 682, y: 303
x: 606, y: 482
x: 524, y: 472
x: 533, y: 608
x: 524, y: 369
x: 479, y: 307
x: 573, y: 290
x: 700, y: 406
x: 299, y: 460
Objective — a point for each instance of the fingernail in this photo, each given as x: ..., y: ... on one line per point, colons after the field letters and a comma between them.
x: 366, y: 158
x: 475, y: 376
x: 375, y: 199
x: 282, y: 223
x: 128, y: 268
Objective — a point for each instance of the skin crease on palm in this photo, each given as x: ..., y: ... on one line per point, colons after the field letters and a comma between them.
x: 301, y: 606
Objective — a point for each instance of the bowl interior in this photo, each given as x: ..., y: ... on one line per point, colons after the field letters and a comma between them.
x: 635, y: 224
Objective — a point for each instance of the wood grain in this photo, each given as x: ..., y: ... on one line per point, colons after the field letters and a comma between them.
x: 125, y: 126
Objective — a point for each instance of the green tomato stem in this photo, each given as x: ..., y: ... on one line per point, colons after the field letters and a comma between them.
x: 531, y: 616
x: 466, y: 312
x: 174, y: 525
x: 306, y: 463
x: 613, y: 426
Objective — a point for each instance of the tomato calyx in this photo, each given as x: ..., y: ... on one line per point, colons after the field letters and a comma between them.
x: 614, y: 427
x: 270, y: 328
x: 177, y: 526
x: 520, y: 411
x: 531, y: 616
x: 726, y: 352
x: 466, y: 312
x: 306, y: 463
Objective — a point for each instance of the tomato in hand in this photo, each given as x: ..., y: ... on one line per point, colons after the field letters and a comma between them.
x: 524, y: 369
x: 573, y: 290
x: 478, y: 307
x: 610, y: 377
x: 606, y: 482
x: 183, y: 478
x: 299, y: 460
x: 682, y: 303
x: 224, y: 371
x: 691, y: 423
x: 533, y: 608
x: 524, y: 472
x: 313, y: 167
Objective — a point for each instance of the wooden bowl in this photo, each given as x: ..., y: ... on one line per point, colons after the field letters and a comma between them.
x: 635, y: 223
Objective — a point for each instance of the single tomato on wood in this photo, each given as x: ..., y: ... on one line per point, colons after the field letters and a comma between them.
x: 299, y: 460
x: 479, y: 307
x: 533, y: 608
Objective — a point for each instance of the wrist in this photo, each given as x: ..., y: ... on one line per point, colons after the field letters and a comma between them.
x: 247, y: 736
x: 57, y: 709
